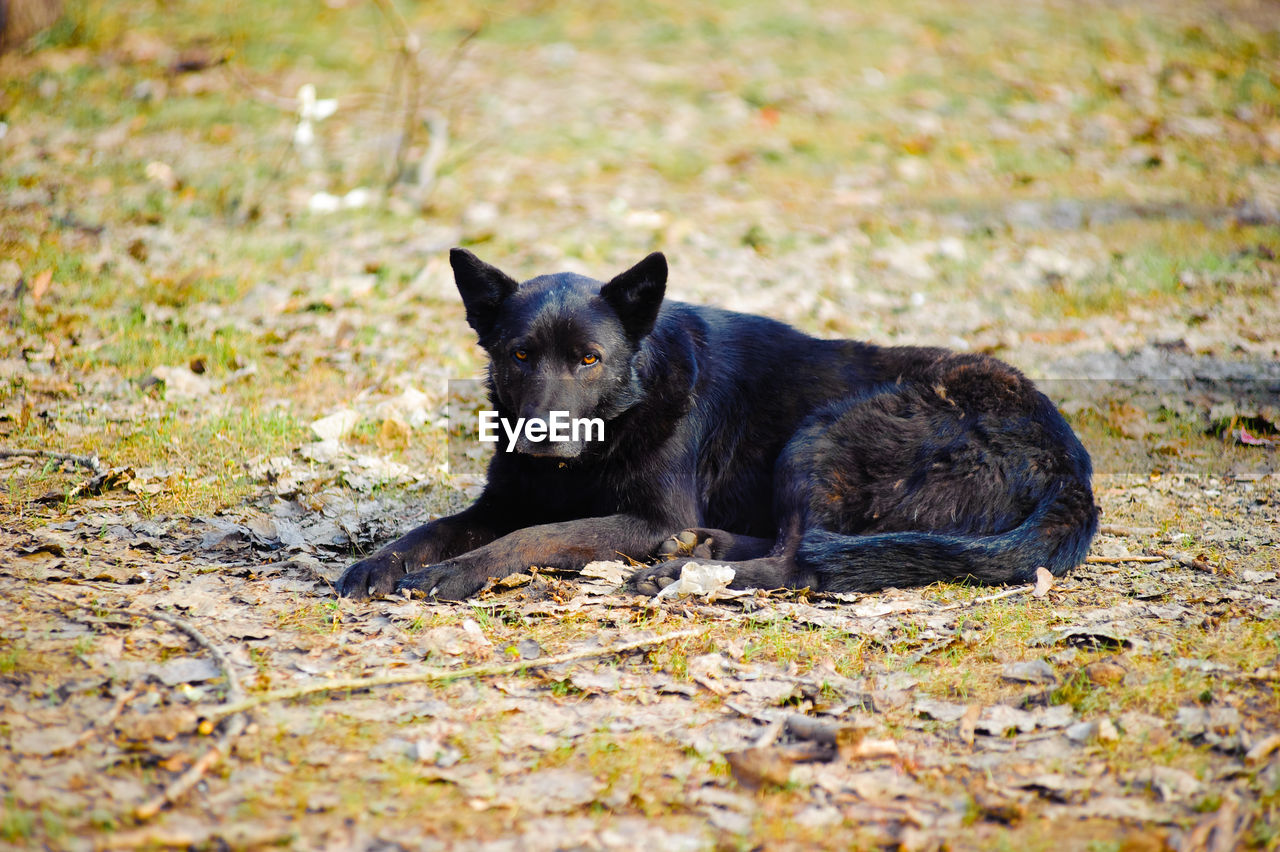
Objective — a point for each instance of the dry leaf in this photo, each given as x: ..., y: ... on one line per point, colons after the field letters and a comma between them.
x: 1044, y: 582
x: 968, y: 723
x: 754, y: 768
x: 40, y: 285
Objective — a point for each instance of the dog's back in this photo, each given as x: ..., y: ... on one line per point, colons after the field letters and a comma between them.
x: 871, y: 466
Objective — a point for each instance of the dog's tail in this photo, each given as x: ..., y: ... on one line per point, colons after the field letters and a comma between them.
x: 1055, y: 535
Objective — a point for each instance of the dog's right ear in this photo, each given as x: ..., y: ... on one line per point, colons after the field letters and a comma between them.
x: 483, y: 287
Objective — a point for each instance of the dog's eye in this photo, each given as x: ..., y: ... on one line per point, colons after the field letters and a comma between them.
x: 520, y: 355
x: 588, y: 360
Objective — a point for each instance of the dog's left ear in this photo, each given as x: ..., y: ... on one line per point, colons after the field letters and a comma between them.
x: 636, y: 295
x: 483, y: 288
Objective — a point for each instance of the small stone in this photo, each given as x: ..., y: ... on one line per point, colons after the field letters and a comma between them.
x: 1082, y: 732
x: 336, y: 425
x: 1150, y: 728
x: 1030, y: 671
x: 1099, y: 730
x: 1105, y: 672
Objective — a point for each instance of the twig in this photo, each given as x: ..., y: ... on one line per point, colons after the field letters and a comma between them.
x: 455, y: 57
x: 235, y: 725
x: 1007, y: 593
x: 437, y: 147
x: 1125, y: 532
x: 221, y: 711
x: 1120, y: 560
x: 234, y: 690
x: 1185, y: 561
x: 179, y: 787
x: 90, y: 462
x: 409, y: 47
x: 236, y: 836
x: 101, y: 724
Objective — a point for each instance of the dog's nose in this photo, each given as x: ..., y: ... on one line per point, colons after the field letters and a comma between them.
x: 548, y: 449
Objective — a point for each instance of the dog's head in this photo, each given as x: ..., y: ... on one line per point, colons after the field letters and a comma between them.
x: 561, y: 347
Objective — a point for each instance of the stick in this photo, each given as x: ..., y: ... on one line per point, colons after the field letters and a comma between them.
x: 236, y: 836
x: 178, y: 788
x: 1186, y: 561
x: 90, y: 462
x: 1119, y: 560
x: 409, y: 47
x: 235, y: 726
x: 1007, y: 593
x: 221, y: 711
x: 234, y: 690
x: 101, y: 724
x: 1124, y: 532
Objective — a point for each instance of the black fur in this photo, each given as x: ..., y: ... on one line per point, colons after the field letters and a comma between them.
x: 832, y: 464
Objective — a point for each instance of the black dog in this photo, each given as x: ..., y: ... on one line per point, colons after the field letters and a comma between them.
x: 831, y: 464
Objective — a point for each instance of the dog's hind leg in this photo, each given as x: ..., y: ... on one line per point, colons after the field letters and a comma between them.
x: 706, y: 543
x: 767, y: 572
x: 758, y: 563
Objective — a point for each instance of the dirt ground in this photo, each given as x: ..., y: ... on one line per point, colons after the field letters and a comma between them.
x: 229, y: 330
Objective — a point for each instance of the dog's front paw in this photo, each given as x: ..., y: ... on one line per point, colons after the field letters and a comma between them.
x: 443, y: 582
x: 654, y: 578
x: 373, y: 576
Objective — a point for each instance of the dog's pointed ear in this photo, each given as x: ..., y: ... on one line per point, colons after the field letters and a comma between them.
x: 636, y: 295
x: 483, y: 287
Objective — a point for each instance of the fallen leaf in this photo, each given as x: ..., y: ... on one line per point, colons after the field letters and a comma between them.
x: 1105, y: 672
x: 1044, y: 582
x: 337, y: 425
x: 942, y: 711
x: 754, y: 768
x: 596, y: 682
x: 181, y: 384
x: 163, y: 724
x: 186, y: 670
x: 1262, y: 750
x: 1030, y: 671
x: 40, y: 285
x: 999, y: 719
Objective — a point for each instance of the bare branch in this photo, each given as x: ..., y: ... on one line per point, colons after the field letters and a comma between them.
x: 101, y: 724
x: 436, y: 675
x: 91, y: 462
x: 235, y: 725
x: 409, y: 47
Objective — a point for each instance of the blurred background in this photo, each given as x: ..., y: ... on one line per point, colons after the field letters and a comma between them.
x: 228, y: 330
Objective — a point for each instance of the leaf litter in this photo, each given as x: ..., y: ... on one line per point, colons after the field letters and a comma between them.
x: 914, y: 719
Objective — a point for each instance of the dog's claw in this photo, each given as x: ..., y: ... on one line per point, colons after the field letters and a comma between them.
x: 444, y: 581
x: 372, y: 576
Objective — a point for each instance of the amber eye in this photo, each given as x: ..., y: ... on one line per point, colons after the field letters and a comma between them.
x: 520, y: 355
x: 588, y: 360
